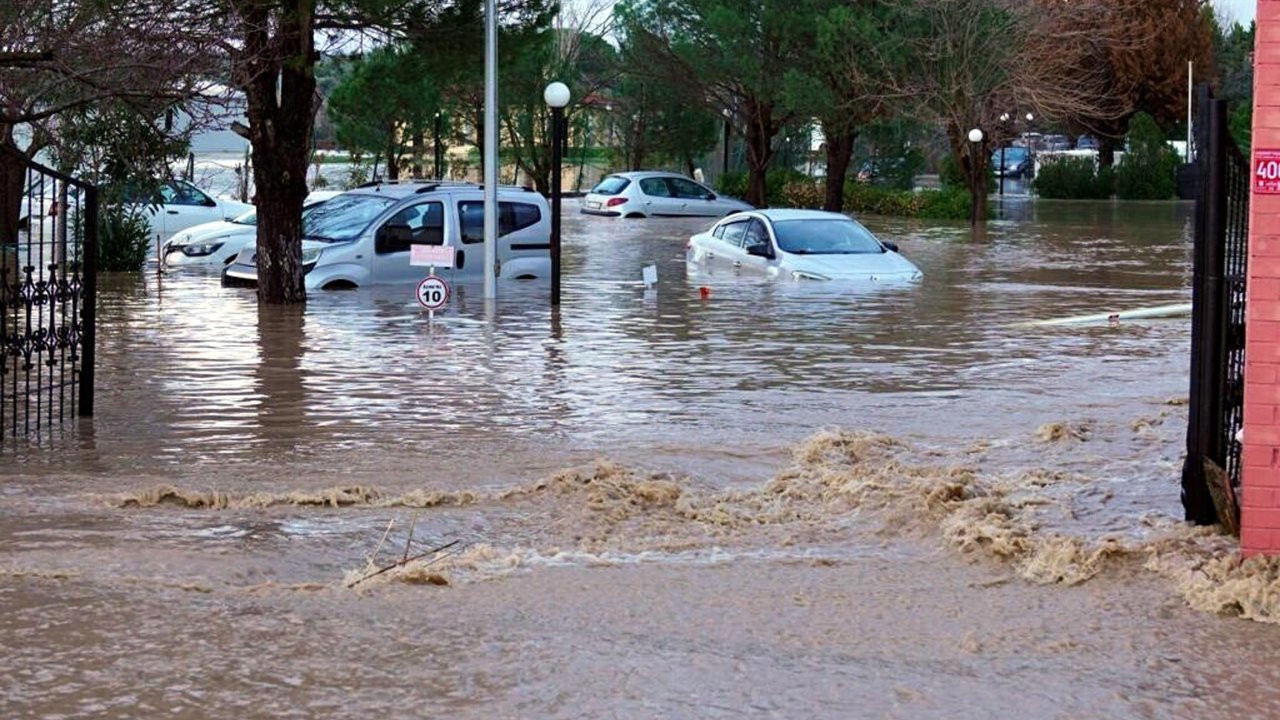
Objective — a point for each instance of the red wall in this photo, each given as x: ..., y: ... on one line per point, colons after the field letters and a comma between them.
x: 1260, y: 504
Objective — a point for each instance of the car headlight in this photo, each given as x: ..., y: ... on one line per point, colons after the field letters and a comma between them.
x: 201, y: 249
x: 309, y: 257
x: 799, y: 275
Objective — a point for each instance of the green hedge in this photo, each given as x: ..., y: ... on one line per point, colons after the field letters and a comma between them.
x: 1074, y: 178
x: 1148, y: 170
x: 950, y: 204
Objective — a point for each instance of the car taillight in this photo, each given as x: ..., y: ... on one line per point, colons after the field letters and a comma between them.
x: 614, y: 202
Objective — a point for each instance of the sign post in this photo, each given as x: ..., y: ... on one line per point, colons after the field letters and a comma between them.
x: 433, y: 292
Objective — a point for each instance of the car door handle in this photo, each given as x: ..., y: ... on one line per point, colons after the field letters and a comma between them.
x: 737, y: 263
x: 172, y: 212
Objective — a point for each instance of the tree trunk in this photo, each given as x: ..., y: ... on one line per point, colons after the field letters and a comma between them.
x: 12, y: 181
x: 393, y: 164
x: 760, y: 131
x: 280, y: 96
x: 1107, y: 151
x: 839, y: 155
x: 419, y: 151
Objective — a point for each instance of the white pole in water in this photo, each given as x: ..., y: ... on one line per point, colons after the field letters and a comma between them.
x: 1113, y: 317
x: 1190, y: 73
x: 490, y: 147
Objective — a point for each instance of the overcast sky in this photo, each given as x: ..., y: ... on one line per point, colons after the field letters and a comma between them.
x: 1241, y: 11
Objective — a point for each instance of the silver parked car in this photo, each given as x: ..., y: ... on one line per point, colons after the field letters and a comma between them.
x: 799, y: 245
x: 657, y: 194
x: 365, y: 236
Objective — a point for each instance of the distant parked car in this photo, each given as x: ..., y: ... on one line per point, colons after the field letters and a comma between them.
x: 1087, y: 142
x: 180, y: 205
x: 1011, y: 162
x: 177, y: 206
x: 1054, y: 143
x: 217, y: 243
x: 656, y: 194
x: 364, y: 236
x: 799, y: 245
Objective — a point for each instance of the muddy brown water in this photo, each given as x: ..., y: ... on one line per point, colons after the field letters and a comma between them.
x: 784, y: 500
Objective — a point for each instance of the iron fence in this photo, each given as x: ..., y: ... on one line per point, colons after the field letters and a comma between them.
x: 1216, y: 406
x: 48, y: 288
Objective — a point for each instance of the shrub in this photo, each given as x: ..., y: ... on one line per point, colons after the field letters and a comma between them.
x: 1074, y: 178
x: 733, y: 184
x: 124, y: 236
x: 950, y: 204
x: 1148, y: 170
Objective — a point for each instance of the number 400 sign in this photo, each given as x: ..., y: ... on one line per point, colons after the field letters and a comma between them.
x: 1266, y: 172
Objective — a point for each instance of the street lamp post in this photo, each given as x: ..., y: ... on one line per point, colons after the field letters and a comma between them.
x: 727, y: 115
x: 975, y: 137
x: 1004, y: 125
x: 439, y: 150
x: 556, y: 96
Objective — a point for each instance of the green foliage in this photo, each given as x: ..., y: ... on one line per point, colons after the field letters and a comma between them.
x: 124, y: 236
x: 381, y: 101
x: 733, y: 184
x: 1072, y: 178
x: 866, y: 198
x: 1148, y: 169
x: 1241, y: 124
x: 952, y: 178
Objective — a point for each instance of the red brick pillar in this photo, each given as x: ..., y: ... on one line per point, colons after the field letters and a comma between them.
x: 1260, y: 504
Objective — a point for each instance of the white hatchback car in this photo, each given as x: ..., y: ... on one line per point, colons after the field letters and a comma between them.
x: 178, y: 205
x: 799, y: 245
x: 364, y: 236
x: 217, y: 243
x: 656, y: 194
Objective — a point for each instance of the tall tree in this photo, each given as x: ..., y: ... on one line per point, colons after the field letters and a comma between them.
x: 979, y: 59
x: 1143, y: 47
x: 63, y: 62
x: 383, y: 102
x: 847, y: 78
x: 738, y: 52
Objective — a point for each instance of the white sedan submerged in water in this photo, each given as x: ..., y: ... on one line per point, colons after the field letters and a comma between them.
x: 215, y: 244
x: 800, y: 245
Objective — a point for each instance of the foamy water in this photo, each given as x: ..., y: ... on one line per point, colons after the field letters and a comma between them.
x: 781, y: 501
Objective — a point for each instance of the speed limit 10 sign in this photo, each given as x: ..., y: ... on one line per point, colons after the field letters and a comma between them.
x: 1266, y: 172
x: 433, y: 293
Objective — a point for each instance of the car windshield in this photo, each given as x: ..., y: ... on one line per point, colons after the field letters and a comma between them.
x: 824, y: 237
x: 1012, y: 155
x: 344, y: 217
x: 251, y: 217
x: 611, y: 186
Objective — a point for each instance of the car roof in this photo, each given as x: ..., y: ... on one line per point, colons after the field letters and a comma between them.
x: 402, y: 189
x: 642, y: 174
x: 784, y: 214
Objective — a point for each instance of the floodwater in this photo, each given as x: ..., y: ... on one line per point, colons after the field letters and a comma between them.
x: 782, y: 500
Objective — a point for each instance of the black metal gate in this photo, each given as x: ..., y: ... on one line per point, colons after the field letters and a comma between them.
x: 48, y: 291
x: 1212, y: 466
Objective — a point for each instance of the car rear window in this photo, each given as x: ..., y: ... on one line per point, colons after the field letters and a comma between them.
x: 611, y: 186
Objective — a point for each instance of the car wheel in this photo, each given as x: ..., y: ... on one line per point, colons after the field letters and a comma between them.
x: 340, y: 285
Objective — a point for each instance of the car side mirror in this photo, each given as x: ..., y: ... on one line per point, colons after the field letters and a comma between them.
x: 760, y: 250
x: 709, y: 196
x: 893, y: 247
x: 393, y: 238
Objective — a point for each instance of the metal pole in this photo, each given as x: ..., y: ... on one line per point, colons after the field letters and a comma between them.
x: 490, y: 148
x: 1190, y: 79
x: 1002, y: 170
x: 557, y: 140
x: 439, y: 151
x: 725, y: 171
x: 88, y: 299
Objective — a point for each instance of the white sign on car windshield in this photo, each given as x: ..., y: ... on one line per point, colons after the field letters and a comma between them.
x: 431, y: 256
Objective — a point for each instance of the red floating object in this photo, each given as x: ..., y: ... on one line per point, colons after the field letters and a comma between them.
x: 704, y: 292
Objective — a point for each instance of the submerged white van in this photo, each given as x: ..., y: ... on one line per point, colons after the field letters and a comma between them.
x: 363, y: 237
